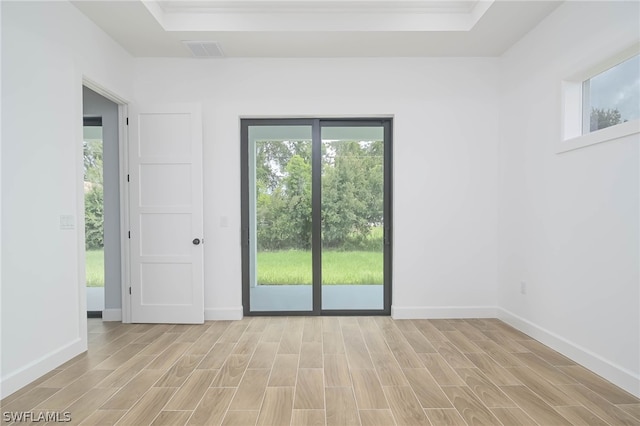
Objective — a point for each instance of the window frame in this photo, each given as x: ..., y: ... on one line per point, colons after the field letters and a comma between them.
x: 572, y: 119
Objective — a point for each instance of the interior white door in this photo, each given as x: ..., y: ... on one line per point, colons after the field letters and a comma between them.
x: 166, y: 218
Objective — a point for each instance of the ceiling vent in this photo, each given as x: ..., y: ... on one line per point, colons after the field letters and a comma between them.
x: 204, y: 49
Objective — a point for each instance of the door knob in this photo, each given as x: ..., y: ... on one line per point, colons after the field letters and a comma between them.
x: 196, y: 241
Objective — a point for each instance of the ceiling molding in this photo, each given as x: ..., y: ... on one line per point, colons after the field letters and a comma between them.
x: 332, y: 6
x: 311, y: 15
x: 155, y: 8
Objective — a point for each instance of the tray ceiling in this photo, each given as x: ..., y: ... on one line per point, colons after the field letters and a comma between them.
x: 310, y: 28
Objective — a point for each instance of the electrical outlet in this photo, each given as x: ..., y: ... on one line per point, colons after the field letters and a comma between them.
x: 523, y: 287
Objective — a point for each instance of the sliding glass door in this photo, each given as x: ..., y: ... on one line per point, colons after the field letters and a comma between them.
x: 280, y: 270
x: 316, y: 216
x: 352, y: 217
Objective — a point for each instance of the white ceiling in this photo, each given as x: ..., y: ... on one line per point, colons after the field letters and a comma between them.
x: 326, y: 28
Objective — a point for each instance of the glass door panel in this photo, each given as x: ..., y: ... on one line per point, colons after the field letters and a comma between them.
x: 93, y: 152
x: 352, y: 180
x: 280, y: 222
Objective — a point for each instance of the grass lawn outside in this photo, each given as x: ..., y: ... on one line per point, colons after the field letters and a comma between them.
x: 95, y: 268
x: 288, y: 267
x: 293, y: 267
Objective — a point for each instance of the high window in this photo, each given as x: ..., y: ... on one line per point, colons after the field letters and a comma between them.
x: 602, y: 102
x: 611, y: 97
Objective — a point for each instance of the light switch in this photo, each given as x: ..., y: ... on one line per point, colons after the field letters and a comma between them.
x: 67, y: 222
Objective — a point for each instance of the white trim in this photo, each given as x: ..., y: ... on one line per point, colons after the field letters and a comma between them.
x: 123, y: 143
x: 156, y: 10
x: 604, y: 135
x: 125, y: 258
x: 318, y: 16
x: 112, y: 315
x: 571, y: 112
x: 40, y: 367
x: 442, y: 312
x: 620, y: 376
x: 81, y: 278
x: 100, y: 90
x: 233, y: 314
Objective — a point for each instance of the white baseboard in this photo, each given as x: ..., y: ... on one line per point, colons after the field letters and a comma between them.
x: 211, y: 314
x: 32, y: 371
x: 442, y: 312
x: 616, y: 374
x: 112, y: 315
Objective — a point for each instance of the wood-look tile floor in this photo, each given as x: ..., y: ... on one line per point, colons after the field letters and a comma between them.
x: 324, y: 371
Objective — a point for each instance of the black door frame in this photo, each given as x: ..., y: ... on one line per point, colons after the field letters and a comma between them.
x: 316, y: 203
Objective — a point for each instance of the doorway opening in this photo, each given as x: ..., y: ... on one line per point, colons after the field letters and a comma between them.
x: 92, y: 145
x: 316, y: 216
x: 101, y: 164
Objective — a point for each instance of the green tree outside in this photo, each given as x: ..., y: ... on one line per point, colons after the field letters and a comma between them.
x: 352, y: 194
x: 94, y: 195
x: 602, y: 118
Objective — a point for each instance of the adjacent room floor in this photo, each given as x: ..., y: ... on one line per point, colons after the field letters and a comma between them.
x: 323, y: 370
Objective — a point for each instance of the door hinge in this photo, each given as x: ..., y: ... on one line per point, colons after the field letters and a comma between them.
x: 129, y: 234
x: 129, y: 290
x: 127, y: 121
x: 127, y: 178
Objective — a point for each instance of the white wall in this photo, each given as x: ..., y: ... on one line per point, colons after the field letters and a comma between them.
x: 444, y: 159
x: 568, y: 223
x: 47, y: 48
